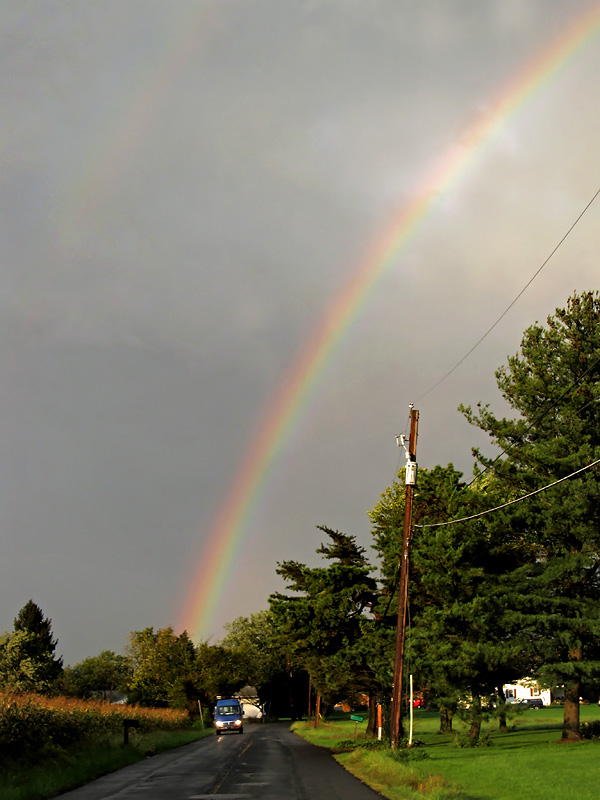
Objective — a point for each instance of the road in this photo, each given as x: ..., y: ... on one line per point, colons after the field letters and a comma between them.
x: 266, y: 761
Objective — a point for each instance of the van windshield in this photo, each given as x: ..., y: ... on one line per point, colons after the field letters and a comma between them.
x: 228, y: 710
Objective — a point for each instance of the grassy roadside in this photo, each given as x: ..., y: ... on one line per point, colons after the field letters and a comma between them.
x: 529, y: 762
x: 72, y: 768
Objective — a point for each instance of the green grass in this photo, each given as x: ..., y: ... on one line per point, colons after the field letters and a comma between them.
x: 529, y: 762
x: 396, y: 781
x: 69, y: 769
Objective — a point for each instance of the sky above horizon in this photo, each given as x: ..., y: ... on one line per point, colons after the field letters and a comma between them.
x: 187, y: 189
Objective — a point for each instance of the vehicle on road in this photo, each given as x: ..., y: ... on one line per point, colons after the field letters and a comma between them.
x: 229, y: 715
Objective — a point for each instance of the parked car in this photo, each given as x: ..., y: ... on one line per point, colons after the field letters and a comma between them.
x: 526, y: 702
x: 533, y: 702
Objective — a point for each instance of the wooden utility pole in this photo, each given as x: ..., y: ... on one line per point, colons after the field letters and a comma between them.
x: 411, y: 454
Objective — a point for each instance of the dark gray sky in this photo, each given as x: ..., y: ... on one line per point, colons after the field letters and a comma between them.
x: 186, y: 189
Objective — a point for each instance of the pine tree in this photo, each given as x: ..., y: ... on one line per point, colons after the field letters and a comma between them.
x: 27, y: 658
x: 322, y: 622
x: 459, y: 642
x: 553, y: 386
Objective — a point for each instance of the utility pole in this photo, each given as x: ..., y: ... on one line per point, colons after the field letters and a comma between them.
x: 411, y: 479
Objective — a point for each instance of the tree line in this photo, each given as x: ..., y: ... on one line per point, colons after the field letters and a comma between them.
x: 161, y: 669
x: 492, y: 599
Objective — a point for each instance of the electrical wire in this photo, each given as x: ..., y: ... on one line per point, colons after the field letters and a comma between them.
x: 505, y: 312
x: 535, y: 422
x: 510, y: 502
x: 520, y: 439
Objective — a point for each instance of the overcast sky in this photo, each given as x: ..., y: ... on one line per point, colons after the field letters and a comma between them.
x: 186, y: 189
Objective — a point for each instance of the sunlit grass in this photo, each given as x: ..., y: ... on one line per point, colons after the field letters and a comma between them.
x: 393, y: 780
x: 529, y: 762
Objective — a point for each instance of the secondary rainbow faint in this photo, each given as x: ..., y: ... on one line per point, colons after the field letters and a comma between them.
x: 108, y: 156
x: 282, y: 414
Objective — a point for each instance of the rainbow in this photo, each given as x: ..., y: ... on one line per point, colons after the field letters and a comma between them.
x: 282, y: 415
x: 115, y: 148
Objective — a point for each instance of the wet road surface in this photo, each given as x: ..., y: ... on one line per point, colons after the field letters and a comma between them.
x: 266, y: 761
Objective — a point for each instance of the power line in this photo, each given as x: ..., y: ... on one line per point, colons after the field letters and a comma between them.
x: 536, y: 421
x: 510, y: 502
x: 505, y: 312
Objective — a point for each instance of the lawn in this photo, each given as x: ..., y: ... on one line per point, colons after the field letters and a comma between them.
x: 529, y: 762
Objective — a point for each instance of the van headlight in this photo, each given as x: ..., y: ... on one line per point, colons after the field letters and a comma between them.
x: 219, y: 724
x: 238, y: 722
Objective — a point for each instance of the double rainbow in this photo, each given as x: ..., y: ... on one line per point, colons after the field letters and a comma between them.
x: 282, y: 415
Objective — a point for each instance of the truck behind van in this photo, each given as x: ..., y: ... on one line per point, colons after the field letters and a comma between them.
x: 229, y: 714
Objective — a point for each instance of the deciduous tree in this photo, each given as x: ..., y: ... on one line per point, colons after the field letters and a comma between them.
x: 104, y: 674
x: 256, y: 640
x: 163, y: 666
x: 221, y: 671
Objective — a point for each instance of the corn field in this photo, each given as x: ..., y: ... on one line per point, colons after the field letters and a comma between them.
x: 32, y: 726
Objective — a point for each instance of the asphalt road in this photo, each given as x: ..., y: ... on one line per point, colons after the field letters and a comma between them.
x: 266, y: 761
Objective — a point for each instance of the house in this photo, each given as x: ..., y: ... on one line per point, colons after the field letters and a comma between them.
x: 526, y: 689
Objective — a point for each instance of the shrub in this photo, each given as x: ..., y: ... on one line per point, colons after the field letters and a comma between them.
x: 590, y: 730
x: 402, y: 753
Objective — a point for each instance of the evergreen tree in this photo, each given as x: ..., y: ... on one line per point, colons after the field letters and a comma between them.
x: 322, y: 622
x: 458, y: 642
x: 27, y: 657
x: 553, y: 386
